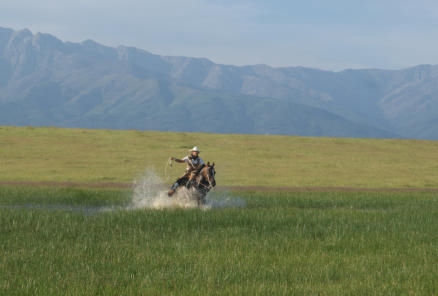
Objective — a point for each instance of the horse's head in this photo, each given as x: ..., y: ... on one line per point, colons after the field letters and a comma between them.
x: 209, y: 174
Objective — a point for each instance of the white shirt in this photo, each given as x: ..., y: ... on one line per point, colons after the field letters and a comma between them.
x: 193, y: 162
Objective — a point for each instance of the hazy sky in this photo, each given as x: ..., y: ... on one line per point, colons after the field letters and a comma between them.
x: 331, y: 35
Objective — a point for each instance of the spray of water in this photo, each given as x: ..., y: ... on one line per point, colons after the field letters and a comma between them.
x: 149, y: 192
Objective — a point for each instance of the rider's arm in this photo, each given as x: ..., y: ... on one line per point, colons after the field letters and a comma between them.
x: 177, y: 160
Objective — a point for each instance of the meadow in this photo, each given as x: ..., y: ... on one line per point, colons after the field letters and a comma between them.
x: 95, y: 156
x: 317, y: 240
x: 308, y: 243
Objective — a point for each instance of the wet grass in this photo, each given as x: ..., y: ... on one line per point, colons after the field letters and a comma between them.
x: 52, y: 196
x: 280, y: 244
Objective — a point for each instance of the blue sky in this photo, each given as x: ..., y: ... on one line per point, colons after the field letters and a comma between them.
x: 332, y: 35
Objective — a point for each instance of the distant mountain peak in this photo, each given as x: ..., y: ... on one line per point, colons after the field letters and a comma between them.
x: 22, y: 34
x: 89, y: 42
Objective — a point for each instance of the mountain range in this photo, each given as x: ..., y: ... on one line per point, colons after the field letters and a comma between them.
x: 48, y: 82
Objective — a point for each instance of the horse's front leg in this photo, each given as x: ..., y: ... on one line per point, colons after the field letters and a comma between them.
x: 202, y: 198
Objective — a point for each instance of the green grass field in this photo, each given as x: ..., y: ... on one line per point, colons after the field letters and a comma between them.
x: 85, y: 241
x: 52, y: 154
x: 279, y: 244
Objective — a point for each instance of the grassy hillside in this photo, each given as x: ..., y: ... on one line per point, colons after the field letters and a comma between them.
x: 80, y: 155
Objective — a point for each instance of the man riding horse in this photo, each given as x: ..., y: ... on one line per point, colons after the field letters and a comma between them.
x: 194, y: 165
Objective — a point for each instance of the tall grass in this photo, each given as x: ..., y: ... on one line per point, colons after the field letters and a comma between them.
x: 280, y: 244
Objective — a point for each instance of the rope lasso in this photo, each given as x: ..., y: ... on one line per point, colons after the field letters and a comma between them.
x: 169, y: 163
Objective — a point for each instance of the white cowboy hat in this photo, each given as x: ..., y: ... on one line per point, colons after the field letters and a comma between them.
x: 195, y: 149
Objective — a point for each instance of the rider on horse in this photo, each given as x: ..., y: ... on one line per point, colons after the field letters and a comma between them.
x: 194, y: 165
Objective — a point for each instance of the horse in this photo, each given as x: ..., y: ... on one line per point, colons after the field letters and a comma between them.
x: 202, y: 184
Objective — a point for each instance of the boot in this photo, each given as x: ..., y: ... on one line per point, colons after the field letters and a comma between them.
x: 172, y: 189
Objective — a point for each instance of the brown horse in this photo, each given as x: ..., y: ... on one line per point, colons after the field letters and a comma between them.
x: 203, y: 183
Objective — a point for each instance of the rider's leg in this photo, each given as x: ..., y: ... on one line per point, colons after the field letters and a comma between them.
x: 173, y: 188
x: 175, y: 185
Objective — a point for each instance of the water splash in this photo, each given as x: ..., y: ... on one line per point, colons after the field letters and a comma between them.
x: 149, y: 192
